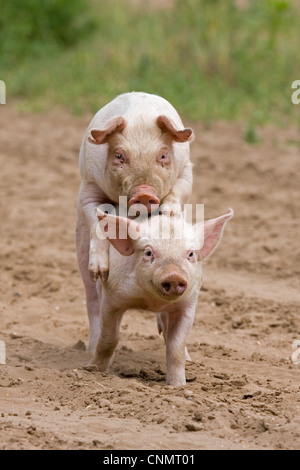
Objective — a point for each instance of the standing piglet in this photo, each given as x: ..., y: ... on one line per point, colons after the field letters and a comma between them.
x: 155, y: 265
x: 136, y: 146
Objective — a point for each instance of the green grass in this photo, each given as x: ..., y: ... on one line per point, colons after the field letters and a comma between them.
x: 209, y: 58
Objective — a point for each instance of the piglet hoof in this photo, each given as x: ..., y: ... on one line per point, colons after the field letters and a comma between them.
x: 170, y: 209
x: 94, y: 276
x: 104, y: 274
x: 99, y: 365
x: 176, y: 382
x: 90, y: 368
x: 187, y: 356
x: 95, y: 367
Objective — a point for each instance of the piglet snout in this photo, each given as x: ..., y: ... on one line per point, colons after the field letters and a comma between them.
x: 145, y: 195
x: 173, y: 285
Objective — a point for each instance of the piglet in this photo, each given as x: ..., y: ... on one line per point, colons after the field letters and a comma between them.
x: 155, y: 265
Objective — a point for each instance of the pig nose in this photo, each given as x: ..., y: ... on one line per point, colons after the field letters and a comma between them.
x: 145, y: 199
x: 173, y: 285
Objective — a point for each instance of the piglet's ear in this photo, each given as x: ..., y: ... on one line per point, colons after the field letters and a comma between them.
x: 179, y: 135
x: 213, y: 231
x: 120, y: 231
x: 99, y: 136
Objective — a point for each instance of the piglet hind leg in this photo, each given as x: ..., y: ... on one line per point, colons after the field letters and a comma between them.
x: 178, y: 326
x: 110, y: 321
x: 92, y: 295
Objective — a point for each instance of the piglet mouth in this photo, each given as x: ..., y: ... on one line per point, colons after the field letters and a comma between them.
x: 144, y: 198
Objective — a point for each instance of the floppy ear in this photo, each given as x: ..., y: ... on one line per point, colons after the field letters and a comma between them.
x: 213, y: 231
x: 120, y: 231
x: 99, y: 136
x: 179, y: 135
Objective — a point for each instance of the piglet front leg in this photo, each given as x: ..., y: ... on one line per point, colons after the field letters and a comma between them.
x: 98, y: 258
x: 90, y: 197
x: 178, y: 325
x: 162, y: 325
x: 110, y: 321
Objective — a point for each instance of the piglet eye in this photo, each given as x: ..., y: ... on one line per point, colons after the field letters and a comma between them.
x: 191, y: 255
x: 164, y: 158
x: 148, y: 254
x: 119, y: 157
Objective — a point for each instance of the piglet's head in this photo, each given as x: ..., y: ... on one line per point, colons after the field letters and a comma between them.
x: 167, y: 267
x: 144, y: 158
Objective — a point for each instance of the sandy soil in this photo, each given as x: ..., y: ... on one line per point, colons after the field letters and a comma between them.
x: 243, y: 388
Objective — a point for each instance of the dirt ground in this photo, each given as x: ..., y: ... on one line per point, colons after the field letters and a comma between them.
x: 243, y: 387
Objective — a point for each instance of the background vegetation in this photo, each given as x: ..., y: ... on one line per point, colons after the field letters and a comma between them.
x: 211, y: 58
